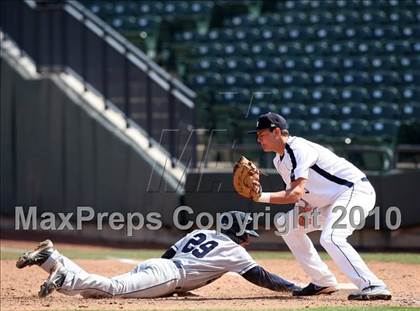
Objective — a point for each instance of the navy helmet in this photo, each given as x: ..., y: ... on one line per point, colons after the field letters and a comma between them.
x: 232, y: 226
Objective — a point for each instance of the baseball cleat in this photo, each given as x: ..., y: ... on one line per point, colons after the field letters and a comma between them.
x: 371, y: 293
x: 54, y: 281
x: 294, y: 288
x: 312, y: 290
x: 36, y: 257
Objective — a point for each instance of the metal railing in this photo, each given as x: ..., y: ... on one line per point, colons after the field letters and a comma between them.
x: 67, y: 37
x: 368, y: 158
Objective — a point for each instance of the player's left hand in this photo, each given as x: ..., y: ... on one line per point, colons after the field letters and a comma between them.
x: 246, y: 179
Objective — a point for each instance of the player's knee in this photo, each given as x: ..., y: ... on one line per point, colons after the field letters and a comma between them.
x: 329, y: 240
x: 285, y: 226
x: 326, y: 240
x: 292, y: 235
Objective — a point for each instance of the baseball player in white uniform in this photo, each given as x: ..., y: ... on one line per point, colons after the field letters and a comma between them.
x: 317, y: 179
x: 196, y: 260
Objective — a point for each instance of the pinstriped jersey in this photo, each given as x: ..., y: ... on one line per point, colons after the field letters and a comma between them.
x: 206, y: 255
x: 327, y: 174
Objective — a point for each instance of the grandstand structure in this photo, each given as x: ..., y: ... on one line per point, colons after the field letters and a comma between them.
x: 342, y: 71
x: 345, y: 73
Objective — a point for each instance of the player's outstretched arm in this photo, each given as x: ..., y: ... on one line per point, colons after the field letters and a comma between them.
x: 170, y: 253
x: 260, y: 277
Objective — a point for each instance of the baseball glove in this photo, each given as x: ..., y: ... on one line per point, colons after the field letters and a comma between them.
x: 246, y: 179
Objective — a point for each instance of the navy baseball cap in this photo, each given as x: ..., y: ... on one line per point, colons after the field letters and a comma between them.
x: 270, y: 120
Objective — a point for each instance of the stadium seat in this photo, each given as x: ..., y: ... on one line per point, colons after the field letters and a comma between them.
x: 411, y: 31
x: 268, y: 20
x: 235, y: 49
x: 326, y: 78
x: 411, y: 93
x: 386, y: 62
x: 409, y: 62
x: 301, y: 33
x: 388, y: 32
x: 297, y: 63
x: 321, y: 17
x: 294, y: 78
x: 412, y: 77
x: 297, y: 127
x: 355, y: 63
x: 383, y: 93
x: 264, y: 96
x: 237, y: 79
x: 326, y: 63
x: 384, y: 111
x: 358, y: 32
x: 273, y: 34
x: 398, y: 46
x: 385, y: 130
x: 322, y: 130
x: 374, y: 16
x: 354, y: 129
x: 411, y: 111
x: 294, y: 94
x: 326, y: 111
x: 203, y: 50
x: 375, y: 47
x: 252, y: 34
x: 293, y: 110
x: 209, y: 79
x: 240, y: 21
x: 324, y: 94
x: 266, y: 79
x: 208, y: 63
x: 407, y: 16
x: 317, y: 48
x: 353, y: 110
x: 386, y: 78
x: 187, y: 36
x: 239, y: 63
x: 268, y: 64
x: 263, y: 48
x: 359, y: 78
x: 354, y: 94
x: 329, y: 32
x: 294, y: 48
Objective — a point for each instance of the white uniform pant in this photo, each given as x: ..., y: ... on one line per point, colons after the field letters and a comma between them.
x: 152, y: 278
x: 334, y: 240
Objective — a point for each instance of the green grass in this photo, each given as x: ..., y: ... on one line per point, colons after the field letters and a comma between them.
x: 411, y: 258
x: 360, y: 309
x: 95, y: 254
x: 83, y: 253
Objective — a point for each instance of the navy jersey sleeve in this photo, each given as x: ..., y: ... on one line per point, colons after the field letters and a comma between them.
x: 170, y: 253
x: 259, y: 276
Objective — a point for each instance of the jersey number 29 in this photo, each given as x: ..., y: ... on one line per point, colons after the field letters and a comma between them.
x: 198, y: 246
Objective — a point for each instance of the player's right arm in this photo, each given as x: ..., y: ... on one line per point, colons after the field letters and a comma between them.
x: 261, y: 277
x: 303, y: 157
x: 171, y: 252
x: 291, y: 195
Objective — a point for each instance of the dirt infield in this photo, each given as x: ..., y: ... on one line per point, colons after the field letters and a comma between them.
x: 19, y: 289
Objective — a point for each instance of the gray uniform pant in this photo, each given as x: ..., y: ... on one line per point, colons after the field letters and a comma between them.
x: 152, y: 278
